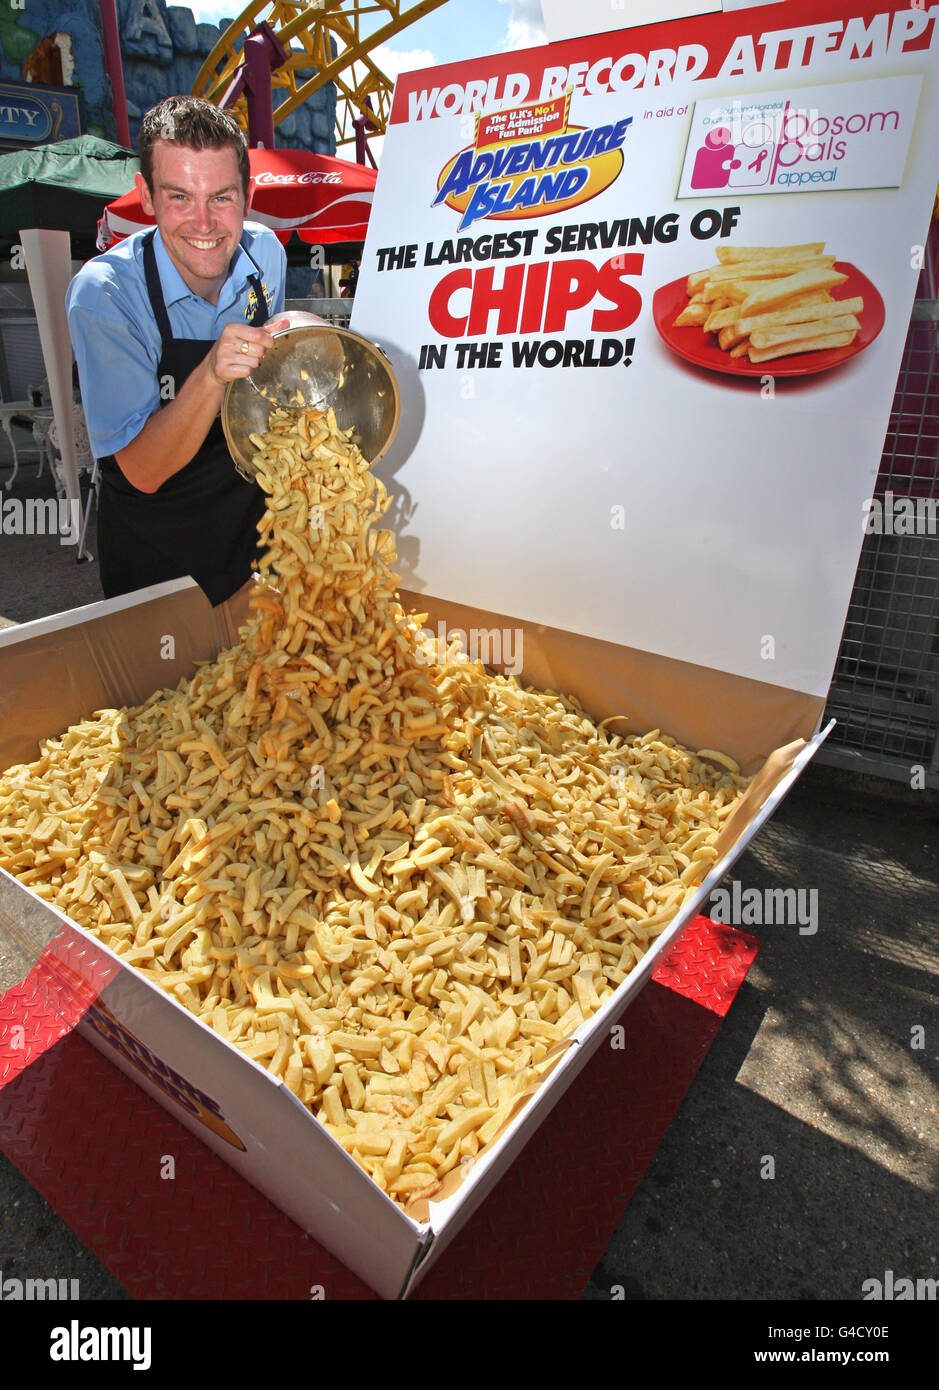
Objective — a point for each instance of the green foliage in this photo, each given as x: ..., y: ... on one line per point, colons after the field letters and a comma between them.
x: 16, y: 40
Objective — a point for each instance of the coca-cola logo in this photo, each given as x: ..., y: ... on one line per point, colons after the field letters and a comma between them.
x: 267, y: 177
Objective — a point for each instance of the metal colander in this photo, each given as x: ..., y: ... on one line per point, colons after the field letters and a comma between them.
x: 328, y: 367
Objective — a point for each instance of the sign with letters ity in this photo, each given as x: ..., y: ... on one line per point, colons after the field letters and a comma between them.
x: 31, y: 114
x: 646, y: 293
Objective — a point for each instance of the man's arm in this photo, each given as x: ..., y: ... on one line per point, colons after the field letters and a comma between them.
x: 173, y: 435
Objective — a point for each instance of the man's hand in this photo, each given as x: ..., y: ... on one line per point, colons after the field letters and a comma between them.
x: 239, y: 348
x: 174, y: 434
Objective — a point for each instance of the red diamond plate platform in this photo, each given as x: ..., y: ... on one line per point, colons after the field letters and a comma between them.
x: 92, y: 1144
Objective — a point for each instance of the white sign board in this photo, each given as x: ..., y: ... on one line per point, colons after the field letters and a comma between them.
x: 567, y: 19
x: 569, y: 454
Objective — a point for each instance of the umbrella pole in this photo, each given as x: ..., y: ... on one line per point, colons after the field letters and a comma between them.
x: 49, y: 269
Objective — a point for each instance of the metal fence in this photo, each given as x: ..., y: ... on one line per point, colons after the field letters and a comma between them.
x: 335, y: 311
x: 885, y: 693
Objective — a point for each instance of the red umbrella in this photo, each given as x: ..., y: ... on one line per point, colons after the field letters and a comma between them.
x: 320, y: 198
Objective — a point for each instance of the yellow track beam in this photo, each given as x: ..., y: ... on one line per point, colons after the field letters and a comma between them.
x: 317, y: 26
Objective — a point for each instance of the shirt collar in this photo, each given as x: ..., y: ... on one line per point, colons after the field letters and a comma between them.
x: 175, y: 287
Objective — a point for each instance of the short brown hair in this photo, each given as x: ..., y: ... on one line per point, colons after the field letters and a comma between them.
x: 195, y: 123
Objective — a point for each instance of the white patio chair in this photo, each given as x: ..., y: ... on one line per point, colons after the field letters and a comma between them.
x: 86, y: 463
x: 83, y: 454
x: 42, y: 428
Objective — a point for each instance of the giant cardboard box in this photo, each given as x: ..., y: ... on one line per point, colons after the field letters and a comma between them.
x: 674, y: 537
x: 58, y: 670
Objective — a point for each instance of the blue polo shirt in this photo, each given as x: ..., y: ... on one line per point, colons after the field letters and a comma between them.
x: 115, y: 336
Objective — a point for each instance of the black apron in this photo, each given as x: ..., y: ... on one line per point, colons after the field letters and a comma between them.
x: 203, y: 520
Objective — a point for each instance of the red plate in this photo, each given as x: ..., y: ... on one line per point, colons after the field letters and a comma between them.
x: 701, y: 348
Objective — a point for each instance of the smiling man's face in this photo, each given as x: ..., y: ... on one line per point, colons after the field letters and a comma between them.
x: 199, y: 208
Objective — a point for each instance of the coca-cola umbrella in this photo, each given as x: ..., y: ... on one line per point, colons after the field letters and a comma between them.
x: 320, y: 198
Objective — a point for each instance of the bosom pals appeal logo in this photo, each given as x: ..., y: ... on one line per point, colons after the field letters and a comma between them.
x: 848, y: 135
x: 528, y: 161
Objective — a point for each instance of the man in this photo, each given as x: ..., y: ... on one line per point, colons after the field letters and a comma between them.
x: 160, y: 325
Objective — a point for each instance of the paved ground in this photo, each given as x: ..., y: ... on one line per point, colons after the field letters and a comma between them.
x: 816, y: 1075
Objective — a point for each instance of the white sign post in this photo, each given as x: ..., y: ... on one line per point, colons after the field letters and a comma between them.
x: 49, y: 269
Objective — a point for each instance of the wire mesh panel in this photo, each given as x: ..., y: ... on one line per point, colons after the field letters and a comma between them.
x: 22, y: 353
x: 884, y: 692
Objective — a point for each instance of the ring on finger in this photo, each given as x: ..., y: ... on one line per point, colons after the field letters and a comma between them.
x: 244, y: 346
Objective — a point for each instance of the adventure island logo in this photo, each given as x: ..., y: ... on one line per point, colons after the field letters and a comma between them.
x: 529, y: 162
x: 252, y: 300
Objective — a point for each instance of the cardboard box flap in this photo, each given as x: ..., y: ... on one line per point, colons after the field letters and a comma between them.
x: 62, y: 668
x: 700, y: 707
